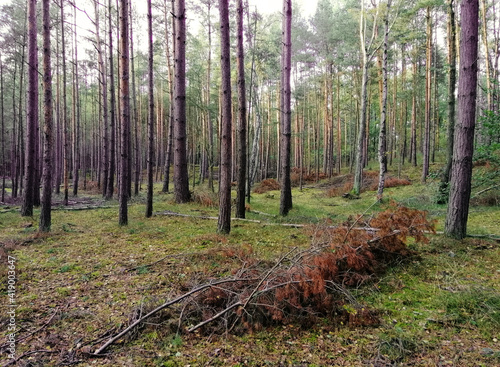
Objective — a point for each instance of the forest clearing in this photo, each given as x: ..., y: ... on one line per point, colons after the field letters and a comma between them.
x: 200, y: 183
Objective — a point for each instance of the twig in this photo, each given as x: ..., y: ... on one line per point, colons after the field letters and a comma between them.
x: 15, y: 360
x: 357, y: 220
x: 485, y: 190
x: 159, y: 308
x: 215, y: 317
x: 33, y: 332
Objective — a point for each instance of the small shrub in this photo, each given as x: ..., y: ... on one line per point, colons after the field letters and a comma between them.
x: 206, y: 198
x: 264, y: 186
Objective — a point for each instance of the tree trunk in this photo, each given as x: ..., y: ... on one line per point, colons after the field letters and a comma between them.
x: 112, y: 109
x: 76, y: 115
x: 286, y: 110
x: 461, y: 173
x: 428, y: 80
x: 103, y: 82
x: 181, y: 180
x: 224, y: 222
x: 452, y: 75
x: 32, y: 113
x: 2, y: 117
x: 382, y: 139
x: 149, y: 201
x: 124, y: 112
x: 413, y: 139
x: 242, y: 116
x: 135, y: 116
x: 168, y: 158
x: 45, y: 212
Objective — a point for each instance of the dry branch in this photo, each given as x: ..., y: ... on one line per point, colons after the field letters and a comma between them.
x: 161, y: 307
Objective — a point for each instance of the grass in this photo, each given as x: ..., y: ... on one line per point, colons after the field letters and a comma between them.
x: 441, y: 308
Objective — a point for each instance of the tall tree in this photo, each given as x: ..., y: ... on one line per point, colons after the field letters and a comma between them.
x: 124, y: 112
x: 382, y: 140
x: 103, y: 83
x: 45, y: 213
x: 64, y: 109
x: 463, y: 147
x: 286, y: 109
x: 32, y: 113
x: 242, y: 116
x: 168, y: 157
x: 112, y: 112
x: 367, y: 55
x: 452, y: 79
x: 149, y: 202
x: 2, y: 117
x: 181, y: 180
x: 428, y: 82
x: 224, y: 222
x: 76, y: 112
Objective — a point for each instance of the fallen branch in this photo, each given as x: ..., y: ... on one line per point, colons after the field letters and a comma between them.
x: 485, y: 190
x: 161, y: 307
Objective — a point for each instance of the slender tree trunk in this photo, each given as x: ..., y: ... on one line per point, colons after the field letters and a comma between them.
x: 112, y: 109
x: 452, y: 75
x: 224, y: 222
x: 382, y: 139
x: 2, y: 117
x: 76, y: 115
x: 32, y: 112
x: 65, y: 111
x: 286, y: 111
x: 361, y: 153
x: 428, y: 83
x: 413, y: 141
x: 45, y: 212
x: 181, y: 179
x: 242, y: 115
x: 484, y: 29
x: 13, y: 150
x: 125, y: 113
x: 461, y: 172
x: 135, y: 116
x: 168, y: 158
x: 149, y: 202
x: 103, y: 83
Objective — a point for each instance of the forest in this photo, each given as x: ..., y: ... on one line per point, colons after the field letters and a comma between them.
x: 210, y: 183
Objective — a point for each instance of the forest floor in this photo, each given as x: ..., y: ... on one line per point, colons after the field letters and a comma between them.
x: 89, y: 278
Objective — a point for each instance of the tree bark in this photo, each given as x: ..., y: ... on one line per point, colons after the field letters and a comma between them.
x: 124, y: 112
x: 181, y: 179
x: 452, y: 77
x: 112, y: 117
x: 286, y: 111
x: 428, y: 80
x: 242, y: 116
x: 45, y: 213
x: 461, y: 174
x: 32, y: 113
x: 103, y: 82
x: 168, y: 157
x: 2, y: 117
x: 149, y: 201
x: 382, y: 139
x: 76, y: 115
x: 224, y: 222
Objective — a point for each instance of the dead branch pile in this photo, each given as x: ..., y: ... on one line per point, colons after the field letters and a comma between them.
x: 302, y: 285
